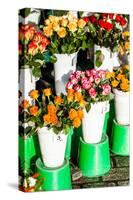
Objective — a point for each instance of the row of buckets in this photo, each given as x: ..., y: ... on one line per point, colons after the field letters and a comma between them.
x: 92, y: 159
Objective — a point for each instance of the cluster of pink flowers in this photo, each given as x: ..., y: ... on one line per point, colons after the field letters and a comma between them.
x: 35, y: 40
x: 92, y: 83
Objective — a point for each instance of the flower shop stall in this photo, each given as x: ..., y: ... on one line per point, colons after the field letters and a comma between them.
x: 68, y: 119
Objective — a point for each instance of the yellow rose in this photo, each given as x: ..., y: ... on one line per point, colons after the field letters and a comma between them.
x: 124, y: 86
x: 47, y: 31
x: 72, y: 26
x: 53, y: 18
x: 81, y: 23
x: 64, y: 22
x: 120, y: 50
x: 114, y: 83
x: 47, y: 22
x: 62, y: 32
x: 56, y: 26
x: 126, y: 67
x: 126, y: 34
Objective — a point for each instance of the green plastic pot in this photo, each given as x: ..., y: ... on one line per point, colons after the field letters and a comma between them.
x: 120, y: 139
x: 28, y: 150
x: 54, y: 178
x: 69, y: 144
x: 94, y: 159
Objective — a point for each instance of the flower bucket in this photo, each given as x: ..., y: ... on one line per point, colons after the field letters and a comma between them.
x: 52, y: 147
x: 115, y: 59
x: 33, y: 17
x: 94, y: 159
x: 121, y: 100
x: 107, y: 63
x: 65, y: 65
x: 120, y: 139
x: 26, y: 83
x: 28, y: 148
x: 93, y: 122
x: 54, y: 179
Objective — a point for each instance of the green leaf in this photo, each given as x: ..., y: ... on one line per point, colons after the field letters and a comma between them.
x: 88, y: 107
x: 36, y: 72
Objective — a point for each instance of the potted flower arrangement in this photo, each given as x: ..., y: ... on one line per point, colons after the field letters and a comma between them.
x: 68, y: 35
x: 96, y: 91
x: 32, y: 45
x: 120, y: 83
x: 54, y: 116
x: 106, y: 30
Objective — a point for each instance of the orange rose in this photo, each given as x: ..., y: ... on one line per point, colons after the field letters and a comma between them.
x: 76, y: 122
x: 54, y: 119
x: 34, y: 94
x: 82, y: 102
x: 124, y: 86
x: 58, y: 100
x: 70, y: 97
x: 81, y: 23
x: 32, y: 48
x: 47, y: 92
x: 78, y: 96
x: 25, y: 104
x: 46, y: 118
x: 48, y: 31
x: 34, y: 110
x: 80, y: 113
x: 52, y: 109
x: 114, y: 83
x: 73, y: 114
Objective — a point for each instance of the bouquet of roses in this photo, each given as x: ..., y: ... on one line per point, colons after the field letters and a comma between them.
x: 56, y: 112
x: 32, y: 45
x: 67, y: 34
x: 119, y: 78
x: 106, y: 29
x: 92, y: 84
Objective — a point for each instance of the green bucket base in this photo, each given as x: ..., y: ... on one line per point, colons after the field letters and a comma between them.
x: 94, y: 159
x: 54, y: 178
x: 120, y: 139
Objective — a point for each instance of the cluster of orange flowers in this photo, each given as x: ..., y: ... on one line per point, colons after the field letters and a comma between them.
x: 62, y: 24
x: 75, y: 96
x: 120, y: 78
x: 76, y: 117
x: 51, y: 117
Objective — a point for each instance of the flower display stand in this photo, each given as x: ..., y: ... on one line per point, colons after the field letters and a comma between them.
x: 69, y: 145
x: 94, y: 159
x: 120, y: 139
x: 28, y: 152
x: 54, y: 178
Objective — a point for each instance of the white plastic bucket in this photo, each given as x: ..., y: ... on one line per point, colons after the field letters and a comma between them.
x: 121, y: 106
x: 52, y: 146
x: 65, y: 65
x: 93, y: 122
x: 107, y: 63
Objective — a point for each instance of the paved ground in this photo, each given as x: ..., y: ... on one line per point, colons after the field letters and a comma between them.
x: 118, y: 175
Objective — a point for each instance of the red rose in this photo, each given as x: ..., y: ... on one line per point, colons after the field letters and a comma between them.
x: 93, y: 19
x: 86, y: 19
x: 109, y: 26
x: 118, y: 18
x: 101, y: 23
x: 105, y: 15
x: 111, y: 16
x: 123, y: 21
x: 32, y: 48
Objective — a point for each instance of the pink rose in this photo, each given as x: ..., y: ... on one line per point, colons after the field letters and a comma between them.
x: 77, y: 88
x: 88, y: 72
x: 97, y: 79
x: 86, y: 85
x: 69, y: 85
x: 93, y: 72
x: 78, y: 74
x: 84, y: 80
x: 102, y: 73
x: 74, y: 81
x: 106, y: 89
x: 91, y: 79
x: 92, y: 92
x: 72, y: 75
